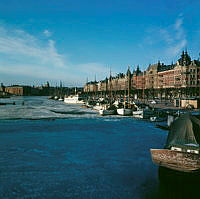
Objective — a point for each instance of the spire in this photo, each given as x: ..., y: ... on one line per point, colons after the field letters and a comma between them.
x: 128, y: 71
x: 47, y: 84
x: 110, y: 75
x: 138, y: 70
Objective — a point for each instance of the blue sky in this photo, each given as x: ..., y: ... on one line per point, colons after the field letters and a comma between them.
x: 70, y: 40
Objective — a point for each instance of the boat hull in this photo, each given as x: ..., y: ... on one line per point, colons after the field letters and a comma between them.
x: 106, y: 112
x: 176, y: 160
x: 138, y: 114
x: 67, y: 101
x: 124, y: 111
x: 143, y: 114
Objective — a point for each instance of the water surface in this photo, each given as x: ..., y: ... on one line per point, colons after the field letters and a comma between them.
x: 77, y: 155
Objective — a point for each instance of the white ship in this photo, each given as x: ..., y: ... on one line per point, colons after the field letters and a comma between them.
x: 73, y: 99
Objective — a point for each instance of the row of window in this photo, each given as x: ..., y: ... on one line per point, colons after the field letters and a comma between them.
x: 193, y: 70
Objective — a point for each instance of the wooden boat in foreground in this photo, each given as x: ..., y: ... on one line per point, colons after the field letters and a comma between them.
x: 176, y: 160
x: 182, y: 149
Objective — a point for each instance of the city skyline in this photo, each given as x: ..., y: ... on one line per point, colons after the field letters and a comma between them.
x: 71, y: 41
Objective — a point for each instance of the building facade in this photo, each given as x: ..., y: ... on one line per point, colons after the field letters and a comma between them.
x: 181, y: 79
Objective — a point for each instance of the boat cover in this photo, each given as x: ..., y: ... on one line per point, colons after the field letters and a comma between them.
x: 184, y: 131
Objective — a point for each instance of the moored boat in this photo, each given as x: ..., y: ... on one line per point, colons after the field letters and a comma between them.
x: 182, y: 149
x: 73, y: 99
x: 187, y: 161
x: 143, y: 113
x: 124, y: 111
x: 108, y: 110
x: 137, y: 113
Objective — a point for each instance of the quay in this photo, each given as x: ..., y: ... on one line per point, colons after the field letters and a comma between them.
x: 158, y: 82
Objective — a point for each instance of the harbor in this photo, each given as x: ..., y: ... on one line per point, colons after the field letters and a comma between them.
x: 80, y: 153
x: 100, y: 144
x: 99, y: 99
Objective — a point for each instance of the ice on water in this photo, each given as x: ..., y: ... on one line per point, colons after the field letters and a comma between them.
x: 41, y: 108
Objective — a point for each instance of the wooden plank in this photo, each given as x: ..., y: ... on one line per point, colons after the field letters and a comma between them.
x: 176, y: 160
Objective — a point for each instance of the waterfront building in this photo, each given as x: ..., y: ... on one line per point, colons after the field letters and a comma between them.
x: 181, y: 79
x: 18, y: 90
x: 91, y: 87
x: 138, y: 83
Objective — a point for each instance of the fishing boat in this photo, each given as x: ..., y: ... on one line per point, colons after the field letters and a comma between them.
x: 127, y: 109
x: 142, y: 111
x: 108, y: 110
x: 182, y: 149
x: 124, y: 111
x: 143, y: 114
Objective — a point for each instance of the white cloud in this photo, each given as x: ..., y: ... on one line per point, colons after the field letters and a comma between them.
x: 180, y: 41
x: 176, y: 49
x: 166, y: 36
x: 167, y: 42
x: 22, y: 54
x: 178, y: 24
x: 47, y: 33
x: 174, y: 37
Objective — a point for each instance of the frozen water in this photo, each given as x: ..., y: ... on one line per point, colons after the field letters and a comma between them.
x: 41, y: 108
x: 83, y: 156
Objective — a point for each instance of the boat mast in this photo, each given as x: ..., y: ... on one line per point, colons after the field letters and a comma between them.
x: 110, y: 87
x: 143, y: 86
x: 87, y: 88
x: 95, y: 87
x: 129, y: 76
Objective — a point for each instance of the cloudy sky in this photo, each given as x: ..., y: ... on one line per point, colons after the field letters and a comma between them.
x: 72, y: 40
